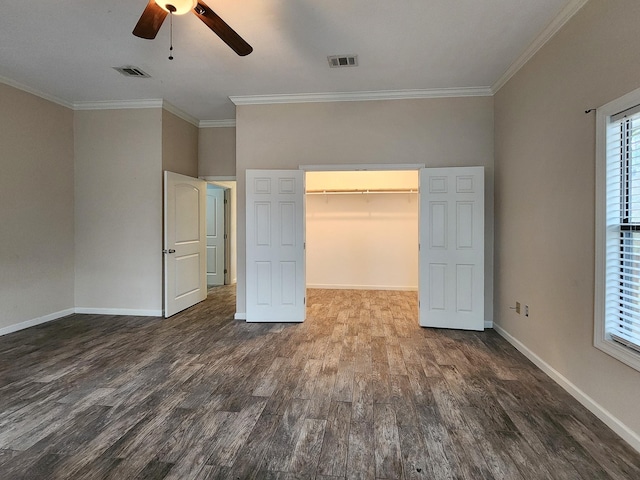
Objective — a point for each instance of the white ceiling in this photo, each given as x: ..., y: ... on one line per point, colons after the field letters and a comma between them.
x: 65, y: 49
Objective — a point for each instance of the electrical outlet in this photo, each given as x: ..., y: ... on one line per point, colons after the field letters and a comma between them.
x: 526, y: 310
x: 518, y: 308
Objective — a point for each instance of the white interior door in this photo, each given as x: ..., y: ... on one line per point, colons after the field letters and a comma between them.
x: 275, y: 246
x: 215, y: 235
x: 185, y: 282
x: 452, y: 248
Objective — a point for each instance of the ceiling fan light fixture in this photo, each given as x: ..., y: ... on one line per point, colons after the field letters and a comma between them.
x: 157, y: 10
x: 177, y: 7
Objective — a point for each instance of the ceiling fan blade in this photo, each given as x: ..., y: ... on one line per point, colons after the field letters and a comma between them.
x: 220, y: 28
x: 150, y: 21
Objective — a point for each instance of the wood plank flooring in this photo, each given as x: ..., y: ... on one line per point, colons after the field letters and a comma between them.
x: 358, y: 391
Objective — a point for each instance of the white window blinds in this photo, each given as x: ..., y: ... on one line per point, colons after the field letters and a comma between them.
x: 622, y: 303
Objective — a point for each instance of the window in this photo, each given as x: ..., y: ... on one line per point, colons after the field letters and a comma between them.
x: 617, y: 303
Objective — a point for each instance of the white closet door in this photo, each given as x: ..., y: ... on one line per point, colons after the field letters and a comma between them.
x: 452, y: 248
x: 275, y: 246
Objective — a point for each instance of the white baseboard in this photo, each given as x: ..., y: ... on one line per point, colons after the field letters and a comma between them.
x: 240, y: 316
x: 70, y: 311
x: 628, y: 435
x: 488, y: 324
x: 36, y: 321
x: 324, y: 286
x: 119, y: 311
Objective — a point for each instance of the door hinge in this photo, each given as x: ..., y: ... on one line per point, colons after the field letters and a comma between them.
x: 225, y: 270
x: 304, y: 300
x: 225, y: 236
x: 225, y: 201
x: 171, y: 250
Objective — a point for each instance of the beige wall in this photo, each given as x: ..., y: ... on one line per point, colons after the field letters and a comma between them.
x: 118, y: 215
x: 179, y: 145
x: 436, y: 132
x: 545, y: 181
x: 36, y: 208
x: 217, y: 152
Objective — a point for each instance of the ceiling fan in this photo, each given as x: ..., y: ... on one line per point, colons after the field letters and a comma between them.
x: 156, y: 11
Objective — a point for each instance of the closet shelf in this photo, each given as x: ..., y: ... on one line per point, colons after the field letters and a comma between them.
x: 361, y: 192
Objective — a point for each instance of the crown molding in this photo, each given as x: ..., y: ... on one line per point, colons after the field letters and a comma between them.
x: 118, y: 105
x: 361, y: 96
x: 37, y: 93
x: 180, y: 113
x: 217, y: 123
x: 137, y: 104
x: 556, y: 24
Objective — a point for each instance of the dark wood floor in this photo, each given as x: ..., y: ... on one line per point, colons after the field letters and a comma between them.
x: 357, y: 391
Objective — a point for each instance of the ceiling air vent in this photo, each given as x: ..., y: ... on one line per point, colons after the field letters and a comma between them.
x: 130, y: 71
x: 337, y: 61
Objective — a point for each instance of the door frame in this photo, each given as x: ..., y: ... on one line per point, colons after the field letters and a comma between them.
x: 488, y: 323
x: 231, y: 245
x: 362, y: 167
x: 221, y: 210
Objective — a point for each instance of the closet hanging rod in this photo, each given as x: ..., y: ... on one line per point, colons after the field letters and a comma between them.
x: 350, y: 192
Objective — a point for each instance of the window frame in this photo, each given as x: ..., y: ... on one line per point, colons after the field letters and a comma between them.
x: 601, y: 340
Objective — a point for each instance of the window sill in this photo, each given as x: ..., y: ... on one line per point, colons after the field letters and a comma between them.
x: 626, y: 355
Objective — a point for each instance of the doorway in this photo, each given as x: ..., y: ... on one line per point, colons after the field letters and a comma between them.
x: 221, y: 232
x: 451, y: 260
x: 362, y: 230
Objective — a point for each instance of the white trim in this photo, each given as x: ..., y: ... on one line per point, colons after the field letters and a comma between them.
x: 180, y: 113
x: 361, y: 96
x: 37, y: 93
x: 488, y: 324
x: 231, y: 122
x: 119, y: 311
x: 118, y: 105
x: 619, y: 104
x: 36, y: 321
x: 600, y: 337
x: 628, y: 435
x: 326, y: 286
x: 240, y: 316
x: 218, y: 178
x: 550, y: 30
x: 362, y: 167
x: 137, y: 104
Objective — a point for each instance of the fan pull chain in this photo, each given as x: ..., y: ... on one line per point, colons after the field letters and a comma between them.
x: 171, y: 36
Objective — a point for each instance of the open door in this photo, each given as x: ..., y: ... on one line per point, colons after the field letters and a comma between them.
x: 215, y: 235
x: 275, y: 246
x: 185, y: 280
x: 451, y: 254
